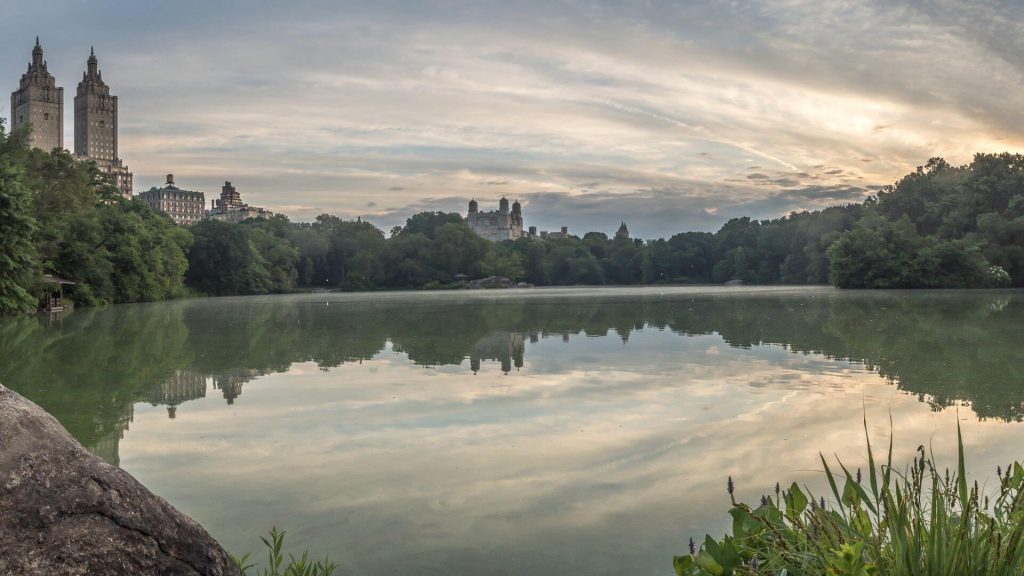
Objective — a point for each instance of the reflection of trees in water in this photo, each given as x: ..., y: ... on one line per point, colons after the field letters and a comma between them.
x: 89, y: 369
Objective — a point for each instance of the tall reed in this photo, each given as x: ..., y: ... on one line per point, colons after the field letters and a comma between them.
x: 278, y: 565
x: 919, y: 521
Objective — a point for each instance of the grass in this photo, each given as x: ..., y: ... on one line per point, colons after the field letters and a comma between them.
x: 918, y: 521
x: 278, y: 565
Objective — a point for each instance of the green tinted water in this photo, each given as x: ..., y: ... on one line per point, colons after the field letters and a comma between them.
x: 515, y: 432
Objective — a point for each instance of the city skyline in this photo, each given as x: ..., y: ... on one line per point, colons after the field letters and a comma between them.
x: 670, y: 117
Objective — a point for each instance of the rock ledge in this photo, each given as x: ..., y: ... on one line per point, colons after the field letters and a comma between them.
x: 64, y: 511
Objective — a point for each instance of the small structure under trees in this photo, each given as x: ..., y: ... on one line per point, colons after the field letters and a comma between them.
x: 53, y: 300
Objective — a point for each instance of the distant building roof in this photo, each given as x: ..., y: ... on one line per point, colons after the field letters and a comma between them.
x: 51, y: 279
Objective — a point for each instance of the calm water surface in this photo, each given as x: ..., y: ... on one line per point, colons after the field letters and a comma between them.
x: 516, y: 432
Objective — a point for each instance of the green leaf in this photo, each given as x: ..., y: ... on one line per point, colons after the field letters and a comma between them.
x: 743, y: 523
x: 858, y: 490
x: 961, y: 480
x: 708, y: 564
x: 729, y: 554
x: 862, y: 523
x: 796, y: 503
x: 682, y: 564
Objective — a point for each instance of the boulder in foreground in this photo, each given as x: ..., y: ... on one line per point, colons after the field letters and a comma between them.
x: 64, y: 511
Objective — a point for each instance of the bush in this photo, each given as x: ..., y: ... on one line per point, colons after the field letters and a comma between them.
x: 917, y: 522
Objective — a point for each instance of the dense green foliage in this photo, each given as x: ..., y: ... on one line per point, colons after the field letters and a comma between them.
x: 63, y: 217
x: 919, y: 521
x: 17, y: 253
x: 939, y: 227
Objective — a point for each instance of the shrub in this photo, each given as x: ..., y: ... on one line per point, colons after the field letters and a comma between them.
x: 920, y: 521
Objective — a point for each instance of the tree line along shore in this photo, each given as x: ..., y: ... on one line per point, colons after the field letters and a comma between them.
x: 941, y: 226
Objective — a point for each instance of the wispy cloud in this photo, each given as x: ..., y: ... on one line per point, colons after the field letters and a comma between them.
x: 390, y: 106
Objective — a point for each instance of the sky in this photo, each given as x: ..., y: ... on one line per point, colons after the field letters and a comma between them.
x: 670, y: 116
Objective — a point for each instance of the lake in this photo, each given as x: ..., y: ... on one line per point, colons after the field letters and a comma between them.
x: 544, y: 431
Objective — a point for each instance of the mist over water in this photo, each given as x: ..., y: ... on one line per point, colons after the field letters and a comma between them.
x: 510, y: 432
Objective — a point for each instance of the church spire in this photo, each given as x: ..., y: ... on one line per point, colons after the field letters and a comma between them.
x: 92, y: 62
x: 37, y: 54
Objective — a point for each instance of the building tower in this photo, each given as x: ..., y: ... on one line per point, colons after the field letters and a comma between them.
x: 96, y: 126
x: 622, y: 232
x: 39, y: 103
x: 498, y: 225
x: 230, y: 199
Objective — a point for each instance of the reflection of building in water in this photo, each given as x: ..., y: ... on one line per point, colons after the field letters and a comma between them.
x: 111, y: 433
x: 230, y: 383
x: 185, y: 385
x: 182, y: 386
x: 509, y: 348
x: 505, y: 347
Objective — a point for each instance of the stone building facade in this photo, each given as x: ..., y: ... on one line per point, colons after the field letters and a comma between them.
x: 545, y: 235
x: 503, y: 224
x: 39, y: 102
x: 185, y: 207
x: 96, y: 126
x: 230, y: 207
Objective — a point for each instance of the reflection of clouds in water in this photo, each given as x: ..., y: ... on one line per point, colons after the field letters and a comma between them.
x: 595, y: 458
x: 368, y: 431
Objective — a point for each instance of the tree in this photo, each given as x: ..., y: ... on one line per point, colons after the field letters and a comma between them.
x: 502, y: 261
x: 879, y: 253
x: 224, y: 261
x: 18, y: 266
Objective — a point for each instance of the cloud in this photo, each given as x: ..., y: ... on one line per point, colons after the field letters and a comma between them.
x: 323, y: 104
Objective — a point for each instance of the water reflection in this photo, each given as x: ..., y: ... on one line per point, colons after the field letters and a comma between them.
x: 90, y: 368
x: 539, y: 432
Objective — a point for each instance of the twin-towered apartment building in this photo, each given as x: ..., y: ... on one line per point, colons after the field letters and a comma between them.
x: 39, y: 103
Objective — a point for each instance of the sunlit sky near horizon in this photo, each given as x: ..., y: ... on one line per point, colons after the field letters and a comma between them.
x: 671, y: 116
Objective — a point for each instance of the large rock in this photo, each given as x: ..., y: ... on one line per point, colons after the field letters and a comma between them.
x: 65, y: 511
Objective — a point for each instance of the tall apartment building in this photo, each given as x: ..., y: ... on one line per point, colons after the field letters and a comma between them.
x: 96, y: 126
x: 39, y: 103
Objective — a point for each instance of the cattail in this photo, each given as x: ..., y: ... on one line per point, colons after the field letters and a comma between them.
x: 777, y: 491
x: 858, y: 475
x: 764, y: 500
x: 999, y: 471
x: 822, y: 502
x: 730, y: 487
x: 693, y: 546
